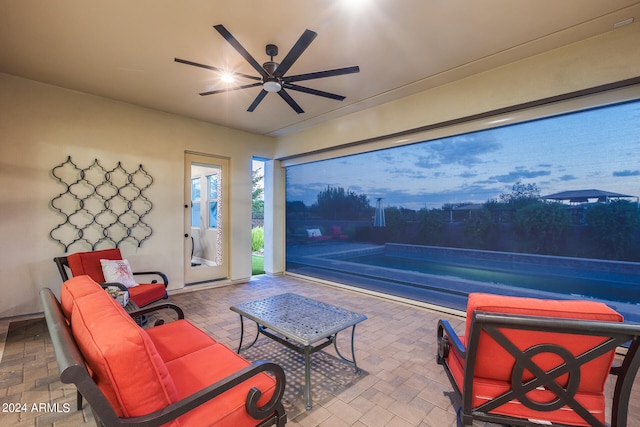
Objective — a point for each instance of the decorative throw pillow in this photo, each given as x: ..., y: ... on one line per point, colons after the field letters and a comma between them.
x: 118, y: 271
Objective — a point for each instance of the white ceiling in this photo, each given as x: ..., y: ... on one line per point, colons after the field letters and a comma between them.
x: 125, y: 50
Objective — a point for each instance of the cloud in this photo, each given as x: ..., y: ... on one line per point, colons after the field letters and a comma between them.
x: 626, y: 173
x: 465, y: 150
x: 468, y: 174
x: 567, y: 178
x: 515, y: 176
x: 406, y: 173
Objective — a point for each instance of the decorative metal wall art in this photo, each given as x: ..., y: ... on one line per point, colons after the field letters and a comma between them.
x: 101, y: 207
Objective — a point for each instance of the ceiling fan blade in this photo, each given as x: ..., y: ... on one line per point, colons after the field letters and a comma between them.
x: 212, y: 92
x: 219, y: 70
x: 241, y: 50
x: 321, y: 74
x: 195, y: 64
x: 301, y: 45
x: 257, y: 101
x: 289, y: 100
x: 315, y: 92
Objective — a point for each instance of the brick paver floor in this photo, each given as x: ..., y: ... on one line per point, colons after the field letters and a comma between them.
x: 396, y: 346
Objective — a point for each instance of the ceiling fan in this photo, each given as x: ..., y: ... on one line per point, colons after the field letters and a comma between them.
x: 272, y: 75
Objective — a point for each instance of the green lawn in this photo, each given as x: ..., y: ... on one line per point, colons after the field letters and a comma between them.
x: 257, y: 264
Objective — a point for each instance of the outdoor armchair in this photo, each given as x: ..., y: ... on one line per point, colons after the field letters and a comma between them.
x: 532, y: 362
x: 88, y: 263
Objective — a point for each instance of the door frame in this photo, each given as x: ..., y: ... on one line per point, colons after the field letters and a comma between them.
x: 206, y: 274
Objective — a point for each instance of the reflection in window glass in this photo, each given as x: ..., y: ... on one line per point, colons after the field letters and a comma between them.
x: 195, y: 202
x: 546, y: 208
x: 212, y: 185
x: 213, y: 214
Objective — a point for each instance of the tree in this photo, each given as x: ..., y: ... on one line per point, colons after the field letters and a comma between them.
x: 257, y: 190
x: 614, y: 226
x: 521, y: 194
x: 338, y: 203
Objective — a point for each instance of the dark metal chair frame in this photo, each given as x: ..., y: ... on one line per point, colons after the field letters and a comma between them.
x: 72, y: 369
x: 616, y: 334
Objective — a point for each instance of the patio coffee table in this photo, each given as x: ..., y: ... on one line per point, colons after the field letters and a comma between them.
x: 302, y: 324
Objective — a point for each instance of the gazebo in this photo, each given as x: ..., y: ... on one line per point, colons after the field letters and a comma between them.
x: 585, y: 196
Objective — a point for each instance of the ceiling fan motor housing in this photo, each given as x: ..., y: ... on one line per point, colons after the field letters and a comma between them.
x: 272, y: 50
x: 270, y: 67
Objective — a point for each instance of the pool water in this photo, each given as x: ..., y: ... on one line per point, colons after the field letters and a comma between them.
x: 606, y: 286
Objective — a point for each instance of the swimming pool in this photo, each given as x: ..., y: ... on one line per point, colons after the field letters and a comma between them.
x: 445, y: 276
x: 615, y: 287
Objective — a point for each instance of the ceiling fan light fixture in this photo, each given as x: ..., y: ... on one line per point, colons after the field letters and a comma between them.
x: 272, y: 85
x: 227, y: 78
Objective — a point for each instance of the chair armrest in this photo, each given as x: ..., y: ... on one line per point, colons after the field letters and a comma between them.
x: 165, y: 279
x: 61, y: 263
x: 191, y: 402
x: 158, y: 307
x: 105, y: 285
x: 448, y: 339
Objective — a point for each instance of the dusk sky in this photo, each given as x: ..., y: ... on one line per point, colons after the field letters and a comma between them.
x: 595, y: 149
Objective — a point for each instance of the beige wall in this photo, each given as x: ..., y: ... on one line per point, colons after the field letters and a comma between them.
x: 41, y: 125
x: 603, y: 59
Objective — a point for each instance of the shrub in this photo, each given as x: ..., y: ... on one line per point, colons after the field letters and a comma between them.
x: 431, y: 226
x: 613, y: 227
x: 543, y: 226
x: 257, y: 239
x: 479, y: 227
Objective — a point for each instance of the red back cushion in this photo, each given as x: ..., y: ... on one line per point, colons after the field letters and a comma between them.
x: 76, y: 287
x: 123, y: 360
x: 494, y: 362
x: 89, y: 262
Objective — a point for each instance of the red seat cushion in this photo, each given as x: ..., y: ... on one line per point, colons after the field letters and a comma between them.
x: 146, y: 293
x: 494, y: 365
x: 195, y: 361
x: 176, y: 339
x: 203, y: 367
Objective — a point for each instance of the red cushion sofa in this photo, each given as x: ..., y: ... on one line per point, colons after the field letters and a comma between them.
x: 171, y: 374
x: 527, y: 361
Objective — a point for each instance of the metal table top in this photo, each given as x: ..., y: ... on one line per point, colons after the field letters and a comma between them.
x: 301, y: 319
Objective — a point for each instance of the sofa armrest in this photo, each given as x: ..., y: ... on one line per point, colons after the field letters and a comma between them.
x: 274, y: 406
x: 165, y: 279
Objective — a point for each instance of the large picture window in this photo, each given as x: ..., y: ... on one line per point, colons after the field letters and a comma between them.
x: 544, y: 208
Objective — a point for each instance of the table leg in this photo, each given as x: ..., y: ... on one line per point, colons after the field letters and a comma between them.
x: 353, y: 350
x: 307, y: 376
x: 242, y: 335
